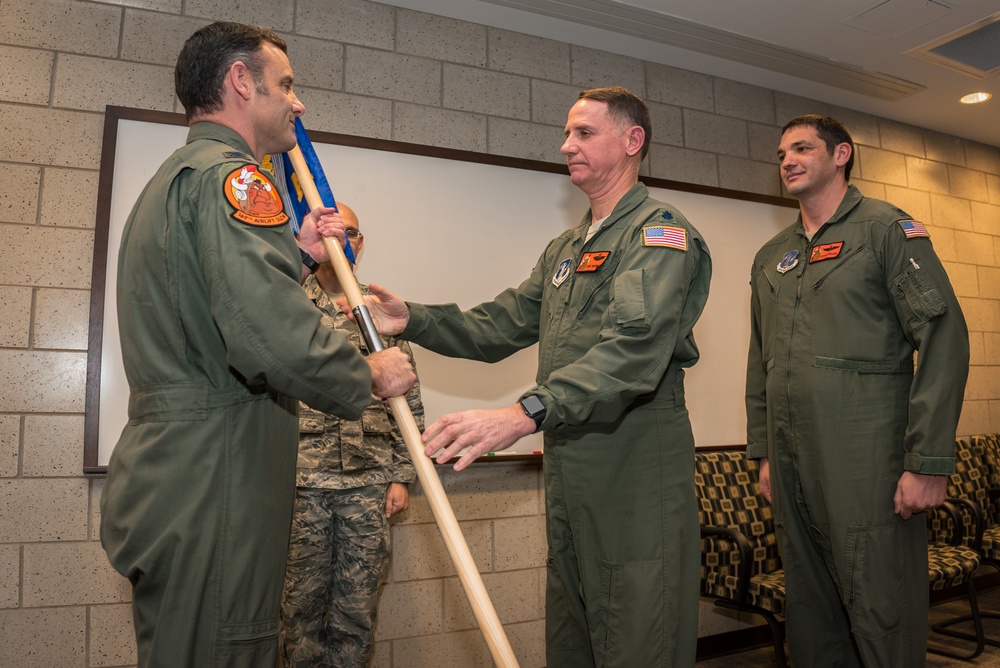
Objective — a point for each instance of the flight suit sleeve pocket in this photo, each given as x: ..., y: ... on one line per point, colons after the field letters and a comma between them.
x: 629, y: 308
x: 918, y: 297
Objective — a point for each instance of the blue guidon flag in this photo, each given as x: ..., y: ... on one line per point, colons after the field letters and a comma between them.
x: 288, y: 183
x: 913, y: 229
x: 665, y: 235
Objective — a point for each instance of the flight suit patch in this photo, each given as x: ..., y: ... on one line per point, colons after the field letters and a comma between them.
x: 562, y: 271
x: 592, y: 261
x: 255, y: 199
x: 913, y: 230
x: 665, y: 235
x: 788, y: 262
x: 825, y: 252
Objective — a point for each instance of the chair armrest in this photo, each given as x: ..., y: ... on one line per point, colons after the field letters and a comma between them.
x: 971, y: 508
x: 746, y: 555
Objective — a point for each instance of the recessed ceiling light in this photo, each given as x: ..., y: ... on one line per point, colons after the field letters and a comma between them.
x: 975, y: 98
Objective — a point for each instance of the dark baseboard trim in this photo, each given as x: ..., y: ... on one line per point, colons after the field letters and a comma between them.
x: 733, y: 642
x: 754, y: 637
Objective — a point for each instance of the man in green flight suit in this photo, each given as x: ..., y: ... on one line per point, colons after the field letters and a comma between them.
x: 612, y: 304
x: 854, y: 444
x: 218, y: 341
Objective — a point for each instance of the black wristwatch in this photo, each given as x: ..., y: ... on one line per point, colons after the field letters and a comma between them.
x: 533, y: 408
x: 308, y: 261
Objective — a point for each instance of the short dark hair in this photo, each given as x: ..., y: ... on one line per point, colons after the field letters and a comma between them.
x: 624, y: 107
x: 830, y: 130
x: 207, y: 56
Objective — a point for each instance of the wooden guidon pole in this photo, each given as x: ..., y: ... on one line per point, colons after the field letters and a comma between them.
x: 482, y: 607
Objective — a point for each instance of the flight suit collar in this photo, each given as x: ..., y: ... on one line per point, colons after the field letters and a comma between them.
x: 851, y: 199
x: 635, y: 196
x: 220, y: 133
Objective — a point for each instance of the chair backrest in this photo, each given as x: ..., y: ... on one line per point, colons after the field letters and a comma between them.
x: 728, y: 496
x: 970, y: 481
x: 989, y: 444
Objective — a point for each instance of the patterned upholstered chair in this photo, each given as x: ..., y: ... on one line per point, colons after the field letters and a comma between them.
x: 987, y: 446
x: 740, y: 566
x: 975, y: 487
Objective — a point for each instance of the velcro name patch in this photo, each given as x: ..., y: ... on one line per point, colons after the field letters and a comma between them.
x: 592, y: 261
x: 825, y: 252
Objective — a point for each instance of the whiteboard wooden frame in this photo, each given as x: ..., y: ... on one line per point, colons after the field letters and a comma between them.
x: 493, y: 238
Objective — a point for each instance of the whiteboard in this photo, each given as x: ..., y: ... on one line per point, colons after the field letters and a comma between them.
x: 458, y: 228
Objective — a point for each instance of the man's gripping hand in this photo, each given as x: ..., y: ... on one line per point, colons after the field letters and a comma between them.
x: 392, y: 373
x: 388, y: 311
x: 323, y: 221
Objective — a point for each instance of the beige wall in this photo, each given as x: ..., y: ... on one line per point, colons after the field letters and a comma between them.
x: 372, y: 70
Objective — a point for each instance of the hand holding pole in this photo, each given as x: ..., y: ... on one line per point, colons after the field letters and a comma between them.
x: 482, y: 606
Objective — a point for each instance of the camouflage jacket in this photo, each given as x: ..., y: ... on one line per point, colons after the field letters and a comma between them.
x: 345, y: 454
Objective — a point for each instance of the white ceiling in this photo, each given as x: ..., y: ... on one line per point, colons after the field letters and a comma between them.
x: 797, y: 46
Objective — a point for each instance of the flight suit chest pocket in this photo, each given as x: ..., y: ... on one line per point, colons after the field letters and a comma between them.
x: 591, y: 289
x: 918, y: 296
x: 767, y: 287
x: 821, y: 270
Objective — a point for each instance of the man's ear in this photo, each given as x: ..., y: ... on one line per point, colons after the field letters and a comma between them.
x: 636, y: 138
x: 842, y: 153
x: 241, y: 79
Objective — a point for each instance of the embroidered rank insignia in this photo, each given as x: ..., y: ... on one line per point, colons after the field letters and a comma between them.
x: 825, y: 252
x: 666, y: 215
x: 562, y: 271
x: 592, y: 261
x: 665, y: 235
x: 255, y: 199
x: 237, y: 154
x: 788, y: 262
x: 912, y: 229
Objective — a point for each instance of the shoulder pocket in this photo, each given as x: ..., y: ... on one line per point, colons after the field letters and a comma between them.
x: 918, y: 296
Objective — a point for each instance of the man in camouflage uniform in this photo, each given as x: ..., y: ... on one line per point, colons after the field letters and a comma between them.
x: 351, y: 478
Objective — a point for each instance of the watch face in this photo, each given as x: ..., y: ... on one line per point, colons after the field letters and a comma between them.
x: 533, y: 406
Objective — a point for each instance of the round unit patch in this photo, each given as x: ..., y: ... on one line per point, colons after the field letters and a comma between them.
x: 255, y: 199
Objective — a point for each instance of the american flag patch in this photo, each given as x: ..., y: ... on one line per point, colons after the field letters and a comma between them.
x: 665, y: 235
x: 913, y: 229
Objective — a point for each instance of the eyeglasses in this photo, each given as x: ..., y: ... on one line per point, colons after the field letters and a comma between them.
x: 354, y: 235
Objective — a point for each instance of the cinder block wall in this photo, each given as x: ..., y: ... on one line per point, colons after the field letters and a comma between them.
x: 367, y: 69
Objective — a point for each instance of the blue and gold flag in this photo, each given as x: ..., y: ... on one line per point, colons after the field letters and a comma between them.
x: 288, y: 183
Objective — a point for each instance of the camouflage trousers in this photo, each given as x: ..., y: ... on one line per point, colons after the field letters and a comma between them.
x: 338, y: 554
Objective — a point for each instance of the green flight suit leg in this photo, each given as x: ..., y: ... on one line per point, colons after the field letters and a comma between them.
x: 622, y: 588
x: 866, y: 601
x: 216, y: 601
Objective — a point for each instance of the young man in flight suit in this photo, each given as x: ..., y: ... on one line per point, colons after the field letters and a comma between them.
x: 854, y: 444
x: 612, y: 304
x: 218, y: 341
